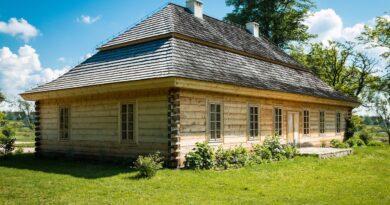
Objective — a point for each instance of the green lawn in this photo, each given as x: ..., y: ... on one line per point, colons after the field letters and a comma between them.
x: 363, y: 178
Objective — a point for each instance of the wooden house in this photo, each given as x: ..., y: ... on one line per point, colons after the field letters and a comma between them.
x: 181, y: 77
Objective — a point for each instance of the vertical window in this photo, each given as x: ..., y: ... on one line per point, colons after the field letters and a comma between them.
x: 253, y: 122
x: 127, y: 122
x: 306, y: 119
x: 322, y: 122
x: 64, y: 123
x: 278, y: 121
x: 338, y: 122
x: 215, y: 121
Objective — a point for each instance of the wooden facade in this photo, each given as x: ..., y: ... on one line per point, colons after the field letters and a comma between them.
x: 172, y: 120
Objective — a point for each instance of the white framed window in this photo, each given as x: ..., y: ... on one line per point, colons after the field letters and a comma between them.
x: 322, y: 122
x: 306, y: 122
x: 278, y: 121
x: 338, y: 122
x: 253, y: 128
x: 127, y: 122
x: 215, y: 121
x: 64, y: 117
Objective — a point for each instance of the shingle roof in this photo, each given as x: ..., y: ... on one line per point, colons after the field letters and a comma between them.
x: 177, y: 19
x: 172, y: 57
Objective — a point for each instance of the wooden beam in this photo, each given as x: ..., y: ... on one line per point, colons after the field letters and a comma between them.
x: 244, y: 91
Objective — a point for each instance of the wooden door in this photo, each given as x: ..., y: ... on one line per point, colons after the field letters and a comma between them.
x: 293, y: 128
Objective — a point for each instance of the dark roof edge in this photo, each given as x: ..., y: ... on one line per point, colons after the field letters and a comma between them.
x: 205, y: 43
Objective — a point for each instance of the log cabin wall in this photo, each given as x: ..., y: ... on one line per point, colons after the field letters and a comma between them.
x: 95, y: 129
x: 194, y: 128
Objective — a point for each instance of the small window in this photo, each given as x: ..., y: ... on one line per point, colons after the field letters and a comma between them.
x: 215, y: 121
x: 253, y: 122
x: 306, y: 125
x: 278, y: 121
x: 322, y: 122
x: 338, y: 122
x: 127, y: 122
x: 64, y: 123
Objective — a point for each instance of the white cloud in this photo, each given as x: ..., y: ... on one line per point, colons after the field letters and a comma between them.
x: 23, y: 70
x: 20, y: 28
x: 61, y: 59
x: 329, y: 26
x: 88, y: 19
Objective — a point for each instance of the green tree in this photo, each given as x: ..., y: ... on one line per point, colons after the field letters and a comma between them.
x: 339, y: 65
x: 281, y: 21
x: 378, y: 35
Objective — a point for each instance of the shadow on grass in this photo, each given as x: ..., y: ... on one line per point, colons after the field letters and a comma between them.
x: 80, y: 169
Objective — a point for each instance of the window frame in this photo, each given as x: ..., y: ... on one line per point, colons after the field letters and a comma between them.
x: 134, y: 140
x: 249, y: 134
x: 306, y: 123
x: 280, y: 128
x: 338, y: 122
x: 60, y: 129
x: 322, y: 125
x: 221, y: 130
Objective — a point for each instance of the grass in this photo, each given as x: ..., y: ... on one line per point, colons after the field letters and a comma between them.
x: 23, y: 133
x: 362, y: 178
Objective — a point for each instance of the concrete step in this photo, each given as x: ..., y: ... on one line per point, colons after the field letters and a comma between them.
x: 324, y: 153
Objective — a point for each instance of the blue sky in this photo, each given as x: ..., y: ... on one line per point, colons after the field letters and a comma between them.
x: 66, y: 31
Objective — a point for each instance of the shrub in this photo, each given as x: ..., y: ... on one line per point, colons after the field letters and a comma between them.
x: 202, y: 157
x: 290, y: 151
x: 19, y: 150
x: 375, y: 144
x: 239, y: 157
x: 8, y: 131
x: 355, y: 142
x: 148, y: 166
x: 365, y: 136
x: 7, y: 143
x: 222, y: 157
x: 338, y: 144
x: 273, y: 144
x: 263, y: 152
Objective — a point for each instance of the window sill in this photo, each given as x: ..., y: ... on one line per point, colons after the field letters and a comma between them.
x: 215, y: 142
x: 129, y: 143
x: 257, y: 139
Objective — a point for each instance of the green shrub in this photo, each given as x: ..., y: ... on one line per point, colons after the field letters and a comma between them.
x: 263, y: 152
x: 364, y: 135
x: 222, y: 157
x: 202, y: 157
x: 375, y: 144
x: 239, y: 157
x: 290, y: 151
x: 273, y: 144
x: 338, y: 144
x: 7, y: 143
x: 8, y: 131
x: 19, y: 150
x: 147, y: 166
x: 355, y: 142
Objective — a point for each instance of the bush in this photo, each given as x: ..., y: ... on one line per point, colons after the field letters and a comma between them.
x: 355, y: 142
x: 8, y: 131
x: 263, y: 152
x: 290, y: 151
x: 375, y: 144
x: 338, y: 144
x: 273, y: 144
x: 7, y: 143
x: 202, y: 157
x: 239, y: 157
x: 19, y: 150
x: 222, y: 157
x: 148, y: 166
x: 365, y: 136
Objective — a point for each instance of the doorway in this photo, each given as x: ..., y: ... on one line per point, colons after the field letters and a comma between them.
x: 293, y: 128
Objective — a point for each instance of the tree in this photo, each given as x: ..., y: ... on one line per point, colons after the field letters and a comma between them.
x: 339, y: 65
x: 378, y: 35
x: 382, y: 107
x: 281, y: 21
x: 2, y: 97
x: 27, y: 109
